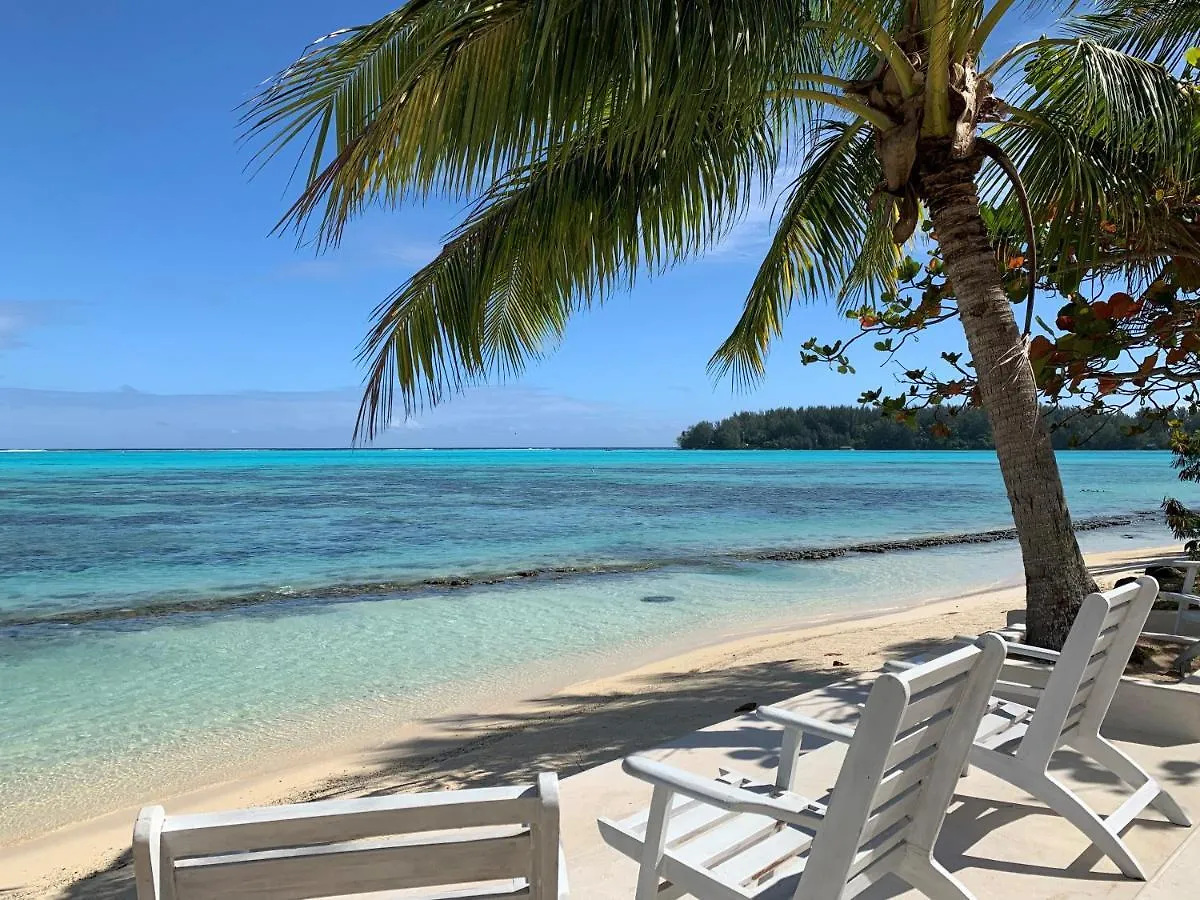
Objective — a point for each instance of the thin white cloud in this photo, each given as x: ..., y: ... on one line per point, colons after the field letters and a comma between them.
x: 399, y: 255
x: 414, y: 253
x: 16, y: 318
x: 748, y: 240
x: 501, y: 416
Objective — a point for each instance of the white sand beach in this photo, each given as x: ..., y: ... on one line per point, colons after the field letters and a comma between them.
x: 585, y: 719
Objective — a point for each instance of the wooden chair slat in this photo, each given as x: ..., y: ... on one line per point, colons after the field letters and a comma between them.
x: 343, y: 820
x: 957, y: 663
x: 483, y: 843
x: 1117, y: 613
x: 1070, y: 711
x: 904, y: 806
x: 694, y: 823
x: 932, y: 702
x: 726, y: 840
x: 917, y: 741
x: 772, y: 858
x: 299, y: 873
x: 896, y: 781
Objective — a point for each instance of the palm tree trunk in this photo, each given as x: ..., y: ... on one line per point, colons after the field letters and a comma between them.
x: 1056, y: 577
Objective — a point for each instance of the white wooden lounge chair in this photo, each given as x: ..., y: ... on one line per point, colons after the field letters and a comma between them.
x: 1187, y: 612
x: 484, y: 844
x: 733, y: 839
x: 1015, y: 742
x: 1187, y: 607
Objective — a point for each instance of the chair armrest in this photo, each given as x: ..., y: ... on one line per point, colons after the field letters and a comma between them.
x: 789, y: 719
x: 787, y: 807
x: 1039, y: 653
x: 1181, y: 639
x: 1184, y: 600
x: 1011, y: 633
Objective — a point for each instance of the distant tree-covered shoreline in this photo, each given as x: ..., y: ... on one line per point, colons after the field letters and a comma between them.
x: 863, y: 428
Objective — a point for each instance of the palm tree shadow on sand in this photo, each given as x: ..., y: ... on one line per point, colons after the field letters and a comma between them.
x: 573, y: 732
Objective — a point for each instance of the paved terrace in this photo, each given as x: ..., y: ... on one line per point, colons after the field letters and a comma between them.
x: 1001, y: 842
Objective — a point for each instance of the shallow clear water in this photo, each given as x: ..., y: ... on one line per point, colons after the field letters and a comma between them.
x: 164, y: 615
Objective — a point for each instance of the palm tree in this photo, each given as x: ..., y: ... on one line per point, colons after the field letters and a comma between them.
x: 599, y: 141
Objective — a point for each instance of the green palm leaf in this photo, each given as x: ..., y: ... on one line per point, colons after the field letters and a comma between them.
x: 548, y: 240
x: 603, y: 137
x: 1162, y: 31
x: 446, y: 96
x: 1080, y: 190
x: 817, y: 242
x: 1098, y: 135
x: 1135, y: 107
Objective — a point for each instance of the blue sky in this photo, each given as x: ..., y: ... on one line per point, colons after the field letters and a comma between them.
x: 143, y: 301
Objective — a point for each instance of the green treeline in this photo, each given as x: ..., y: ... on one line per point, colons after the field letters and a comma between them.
x: 865, y: 428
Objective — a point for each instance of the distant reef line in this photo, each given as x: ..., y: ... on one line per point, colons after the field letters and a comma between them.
x: 348, y: 592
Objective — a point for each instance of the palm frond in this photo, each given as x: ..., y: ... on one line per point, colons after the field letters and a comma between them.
x: 445, y: 97
x: 1082, y: 187
x: 1099, y: 137
x: 1136, y: 108
x: 819, y: 236
x: 1161, y: 31
x: 548, y: 240
x: 874, y: 270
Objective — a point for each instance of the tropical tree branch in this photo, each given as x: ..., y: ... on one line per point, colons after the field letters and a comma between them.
x: 937, y: 76
x: 1011, y: 54
x: 876, y: 117
x: 874, y: 31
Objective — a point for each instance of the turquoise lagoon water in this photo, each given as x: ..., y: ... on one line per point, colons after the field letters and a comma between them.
x: 168, y: 616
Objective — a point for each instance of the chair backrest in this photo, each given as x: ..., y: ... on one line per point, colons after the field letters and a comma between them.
x: 484, y: 842
x: 1080, y: 687
x: 902, y: 767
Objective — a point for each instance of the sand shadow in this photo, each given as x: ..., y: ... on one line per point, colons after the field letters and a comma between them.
x: 569, y: 733
x: 565, y: 733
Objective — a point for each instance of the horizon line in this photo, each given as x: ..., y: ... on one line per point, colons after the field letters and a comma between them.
x: 319, y: 449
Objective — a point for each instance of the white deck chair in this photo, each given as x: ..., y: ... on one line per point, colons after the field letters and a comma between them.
x: 1187, y: 607
x: 483, y: 844
x: 1015, y: 742
x: 733, y: 839
x: 1187, y: 611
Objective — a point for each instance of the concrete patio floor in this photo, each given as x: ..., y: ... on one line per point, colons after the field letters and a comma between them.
x: 998, y: 840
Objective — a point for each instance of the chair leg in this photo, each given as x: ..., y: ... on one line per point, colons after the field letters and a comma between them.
x: 1120, y: 764
x: 789, y: 751
x: 1184, y: 659
x: 655, y: 844
x: 932, y: 879
x: 1075, y: 811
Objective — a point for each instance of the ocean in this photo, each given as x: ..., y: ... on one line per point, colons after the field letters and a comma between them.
x: 169, y: 616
